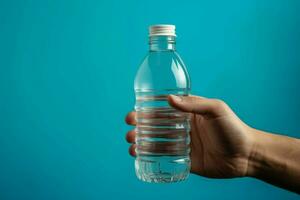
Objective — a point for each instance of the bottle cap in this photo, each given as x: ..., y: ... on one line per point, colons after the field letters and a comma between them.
x: 162, y: 29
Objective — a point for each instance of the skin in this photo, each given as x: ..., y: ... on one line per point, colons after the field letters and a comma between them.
x: 223, y: 146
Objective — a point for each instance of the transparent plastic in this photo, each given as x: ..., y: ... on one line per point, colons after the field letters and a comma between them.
x: 162, y: 132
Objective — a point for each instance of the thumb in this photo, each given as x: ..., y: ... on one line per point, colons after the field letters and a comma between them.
x: 198, y: 105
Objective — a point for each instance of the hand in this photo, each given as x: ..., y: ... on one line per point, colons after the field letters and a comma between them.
x: 221, y: 143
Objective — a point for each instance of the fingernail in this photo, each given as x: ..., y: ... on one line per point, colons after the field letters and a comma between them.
x: 176, y: 98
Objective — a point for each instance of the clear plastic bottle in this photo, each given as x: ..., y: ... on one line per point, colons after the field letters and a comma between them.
x: 162, y: 132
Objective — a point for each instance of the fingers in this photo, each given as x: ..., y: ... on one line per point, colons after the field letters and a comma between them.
x: 199, y: 105
x: 132, y: 150
x: 130, y: 136
x: 130, y: 118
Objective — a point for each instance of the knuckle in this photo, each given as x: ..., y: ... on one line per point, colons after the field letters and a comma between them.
x: 220, y: 104
x: 130, y: 114
x: 130, y: 136
x: 127, y: 137
x: 132, y: 150
x: 127, y: 119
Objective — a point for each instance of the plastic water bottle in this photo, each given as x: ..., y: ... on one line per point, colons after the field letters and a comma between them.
x: 162, y: 140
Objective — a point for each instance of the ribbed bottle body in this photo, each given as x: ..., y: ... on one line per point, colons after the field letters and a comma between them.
x: 162, y: 132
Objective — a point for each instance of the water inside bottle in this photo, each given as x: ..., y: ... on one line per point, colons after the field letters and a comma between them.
x: 162, y: 137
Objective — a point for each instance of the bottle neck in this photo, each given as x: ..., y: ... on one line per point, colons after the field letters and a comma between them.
x: 162, y: 43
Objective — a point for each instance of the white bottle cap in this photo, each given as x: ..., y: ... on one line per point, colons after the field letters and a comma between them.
x: 162, y: 29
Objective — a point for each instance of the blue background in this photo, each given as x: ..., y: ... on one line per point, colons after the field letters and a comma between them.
x: 66, y: 83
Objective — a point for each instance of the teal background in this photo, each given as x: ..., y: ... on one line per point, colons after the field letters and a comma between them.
x: 66, y: 83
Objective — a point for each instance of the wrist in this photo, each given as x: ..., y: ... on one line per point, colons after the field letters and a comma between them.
x: 257, y: 152
x: 265, y: 154
x: 274, y: 159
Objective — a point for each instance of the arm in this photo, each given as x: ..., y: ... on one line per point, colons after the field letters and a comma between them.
x: 275, y: 159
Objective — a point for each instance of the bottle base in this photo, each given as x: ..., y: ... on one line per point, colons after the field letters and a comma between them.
x: 162, y: 177
x: 162, y: 169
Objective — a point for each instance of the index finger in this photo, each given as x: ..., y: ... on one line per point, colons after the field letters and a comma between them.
x: 130, y: 118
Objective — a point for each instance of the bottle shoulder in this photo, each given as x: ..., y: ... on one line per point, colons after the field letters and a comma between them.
x: 162, y: 70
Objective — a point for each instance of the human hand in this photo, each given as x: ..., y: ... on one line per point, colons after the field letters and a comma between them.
x: 221, y: 143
